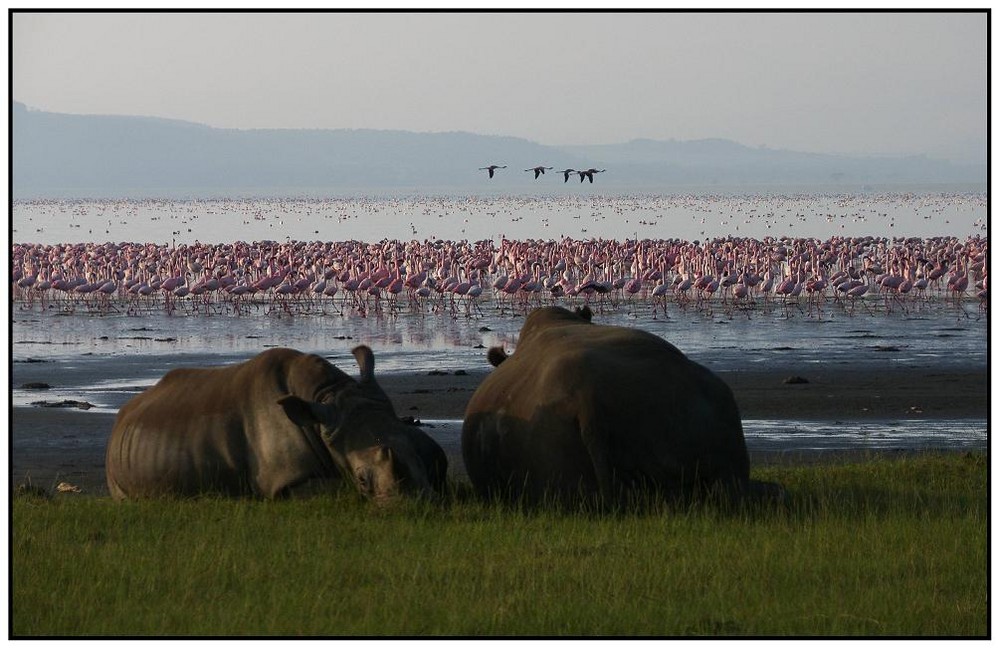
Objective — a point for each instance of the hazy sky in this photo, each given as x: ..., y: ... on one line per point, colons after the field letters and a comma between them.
x: 853, y: 83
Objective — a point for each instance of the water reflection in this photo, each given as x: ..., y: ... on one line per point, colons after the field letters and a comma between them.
x: 410, y: 342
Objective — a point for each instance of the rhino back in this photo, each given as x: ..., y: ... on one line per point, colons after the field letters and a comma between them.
x: 217, y: 429
x: 555, y: 363
x: 181, y: 436
x: 631, y: 400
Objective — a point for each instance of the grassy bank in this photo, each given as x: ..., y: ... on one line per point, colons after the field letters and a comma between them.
x: 889, y: 547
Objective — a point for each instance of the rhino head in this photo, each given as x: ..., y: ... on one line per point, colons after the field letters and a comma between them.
x: 384, y: 457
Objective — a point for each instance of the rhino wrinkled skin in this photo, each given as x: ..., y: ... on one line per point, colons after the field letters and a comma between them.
x: 282, y: 423
x: 582, y: 411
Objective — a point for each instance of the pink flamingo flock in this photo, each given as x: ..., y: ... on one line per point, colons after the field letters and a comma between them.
x: 461, y: 276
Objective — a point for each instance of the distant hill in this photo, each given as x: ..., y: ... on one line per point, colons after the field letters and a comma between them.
x: 717, y: 161
x: 60, y: 155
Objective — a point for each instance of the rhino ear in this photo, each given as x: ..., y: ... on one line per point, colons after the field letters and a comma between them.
x: 300, y: 411
x: 383, y: 454
x: 366, y: 361
x: 496, y: 355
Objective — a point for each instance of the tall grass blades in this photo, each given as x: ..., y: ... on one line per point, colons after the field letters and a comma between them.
x: 882, y: 547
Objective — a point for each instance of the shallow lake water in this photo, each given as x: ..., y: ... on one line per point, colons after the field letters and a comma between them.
x: 937, y: 336
x: 706, y: 213
x: 937, y: 333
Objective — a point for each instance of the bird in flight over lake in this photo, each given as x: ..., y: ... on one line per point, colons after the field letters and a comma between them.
x: 492, y: 168
x: 589, y: 173
x: 566, y: 173
x: 538, y: 170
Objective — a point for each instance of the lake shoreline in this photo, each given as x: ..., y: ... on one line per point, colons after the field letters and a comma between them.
x: 57, y: 444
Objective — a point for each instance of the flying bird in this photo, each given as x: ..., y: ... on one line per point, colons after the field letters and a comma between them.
x: 566, y: 173
x: 538, y: 170
x: 492, y: 168
x: 589, y: 173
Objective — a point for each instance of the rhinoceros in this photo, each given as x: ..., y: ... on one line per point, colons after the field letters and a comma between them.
x: 582, y: 412
x: 282, y: 423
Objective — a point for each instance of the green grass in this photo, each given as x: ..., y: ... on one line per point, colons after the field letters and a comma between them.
x: 888, y: 547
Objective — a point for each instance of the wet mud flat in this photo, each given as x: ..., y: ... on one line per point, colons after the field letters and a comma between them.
x: 53, y: 444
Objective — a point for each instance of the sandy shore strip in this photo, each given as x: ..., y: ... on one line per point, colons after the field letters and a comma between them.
x: 55, y: 444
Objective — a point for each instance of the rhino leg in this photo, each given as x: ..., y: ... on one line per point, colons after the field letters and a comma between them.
x: 117, y: 493
x: 766, y: 493
x: 595, y: 440
x: 310, y: 488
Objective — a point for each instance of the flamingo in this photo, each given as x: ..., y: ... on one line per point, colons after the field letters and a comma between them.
x: 166, y: 275
x: 856, y: 292
x: 589, y: 173
x: 394, y: 288
x: 566, y: 173
x: 492, y: 168
x: 538, y: 171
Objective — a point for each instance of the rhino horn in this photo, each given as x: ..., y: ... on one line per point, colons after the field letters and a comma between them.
x: 366, y: 361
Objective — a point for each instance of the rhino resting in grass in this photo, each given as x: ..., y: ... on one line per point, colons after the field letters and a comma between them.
x: 588, y: 413
x: 281, y: 423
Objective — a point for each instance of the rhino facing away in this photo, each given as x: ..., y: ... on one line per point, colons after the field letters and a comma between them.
x: 281, y: 423
x: 584, y: 412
